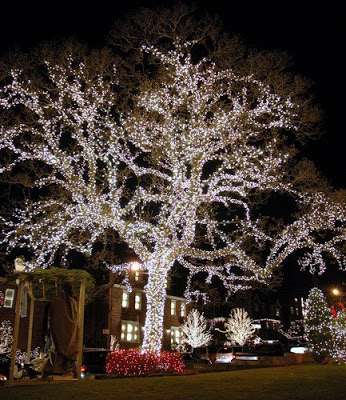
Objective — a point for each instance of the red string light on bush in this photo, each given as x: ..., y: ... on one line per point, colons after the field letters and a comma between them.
x: 133, y: 363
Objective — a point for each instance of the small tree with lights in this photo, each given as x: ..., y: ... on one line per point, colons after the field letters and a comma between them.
x: 318, y: 324
x: 195, y: 329
x: 338, y: 329
x: 239, y: 327
x: 177, y: 162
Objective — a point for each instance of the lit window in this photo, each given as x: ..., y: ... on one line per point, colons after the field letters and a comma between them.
x: 277, y: 313
x: 182, y: 310
x: 173, y: 307
x: 292, y: 310
x: 176, y: 335
x: 138, y: 299
x: 129, y: 331
x: 125, y: 299
x: 137, y: 276
x: 9, y: 298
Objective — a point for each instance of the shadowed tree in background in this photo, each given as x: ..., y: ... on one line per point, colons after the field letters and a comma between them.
x: 178, y: 143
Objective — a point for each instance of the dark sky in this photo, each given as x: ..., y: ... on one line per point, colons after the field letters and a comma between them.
x: 312, y: 33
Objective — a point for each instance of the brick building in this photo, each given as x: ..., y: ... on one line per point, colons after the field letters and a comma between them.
x: 127, y: 317
x: 7, y: 313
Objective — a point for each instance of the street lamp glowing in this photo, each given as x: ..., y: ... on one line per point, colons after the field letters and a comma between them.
x: 336, y: 292
x: 136, y: 266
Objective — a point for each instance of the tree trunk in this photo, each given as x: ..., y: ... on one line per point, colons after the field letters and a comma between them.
x: 156, y: 297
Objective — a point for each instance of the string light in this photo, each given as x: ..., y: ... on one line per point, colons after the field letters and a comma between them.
x: 195, y: 330
x: 192, y: 116
x: 325, y: 332
x: 6, y: 337
x: 239, y: 327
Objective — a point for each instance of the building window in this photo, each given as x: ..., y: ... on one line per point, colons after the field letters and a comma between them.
x: 138, y: 301
x: 176, y: 336
x: 292, y: 310
x: 183, y: 309
x: 173, y: 307
x: 277, y: 312
x: 125, y: 299
x: 129, y: 331
x: 9, y: 298
x: 297, y: 311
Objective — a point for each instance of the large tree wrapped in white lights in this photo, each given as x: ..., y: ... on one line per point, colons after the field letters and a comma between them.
x: 178, y: 175
x: 195, y: 330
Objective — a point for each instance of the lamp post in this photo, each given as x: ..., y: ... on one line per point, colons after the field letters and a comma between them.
x: 110, y: 306
x: 337, y: 294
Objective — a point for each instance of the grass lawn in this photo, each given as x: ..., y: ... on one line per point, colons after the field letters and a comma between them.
x: 308, y: 381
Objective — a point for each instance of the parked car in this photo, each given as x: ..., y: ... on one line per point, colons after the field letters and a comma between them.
x: 270, y: 348
x: 190, y: 358
x: 298, y: 347
x: 94, y: 361
x: 224, y: 355
x: 206, y: 353
x: 244, y: 353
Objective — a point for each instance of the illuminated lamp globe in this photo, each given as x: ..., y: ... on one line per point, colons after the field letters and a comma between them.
x: 136, y: 266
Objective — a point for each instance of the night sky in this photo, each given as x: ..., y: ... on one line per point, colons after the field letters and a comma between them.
x: 312, y: 33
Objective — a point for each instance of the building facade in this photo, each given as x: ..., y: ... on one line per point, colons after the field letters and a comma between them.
x: 8, y: 299
x: 127, y: 317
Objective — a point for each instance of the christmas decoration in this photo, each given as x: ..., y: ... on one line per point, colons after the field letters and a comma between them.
x: 325, y: 328
x: 2, y: 299
x: 6, y: 337
x: 173, y: 176
x: 238, y: 327
x: 338, y: 329
x: 114, y: 343
x: 195, y: 330
x: 135, y: 363
x: 318, y: 323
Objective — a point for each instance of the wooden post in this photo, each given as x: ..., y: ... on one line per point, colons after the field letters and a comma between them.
x: 15, y: 333
x: 31, y: 320
x: 81, y: 326
x: 110, y: 306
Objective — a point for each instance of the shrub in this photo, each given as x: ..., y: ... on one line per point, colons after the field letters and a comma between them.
x: 133, y: 363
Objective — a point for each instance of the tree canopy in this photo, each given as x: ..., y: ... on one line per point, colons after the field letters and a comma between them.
x: 177, y: 143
